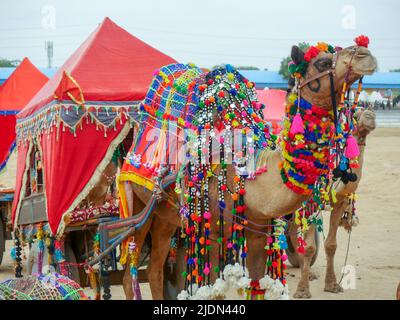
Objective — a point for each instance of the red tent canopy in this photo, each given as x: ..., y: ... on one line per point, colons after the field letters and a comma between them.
x: 15, y: 93
x: 274, y: 111
x: 274, y: 101
x: 111, y: 65
x: 82, y: 114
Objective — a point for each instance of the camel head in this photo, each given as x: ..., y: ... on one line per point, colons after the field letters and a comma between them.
x: 366, y: 122
x: 356, y: 61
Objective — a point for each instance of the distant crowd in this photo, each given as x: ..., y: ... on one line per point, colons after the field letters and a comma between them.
x: 380, y: 105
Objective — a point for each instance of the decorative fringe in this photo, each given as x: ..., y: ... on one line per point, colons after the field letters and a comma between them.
x: 134, y: 271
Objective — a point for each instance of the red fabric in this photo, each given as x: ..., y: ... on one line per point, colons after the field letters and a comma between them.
x: 69, y: 163
x: 21, y: 86
x: 67, y: 87
x: 21, y: 162
x: 274, y: 101
x: 15, y: 93
x: 7, y: 137
x: 111, y: 65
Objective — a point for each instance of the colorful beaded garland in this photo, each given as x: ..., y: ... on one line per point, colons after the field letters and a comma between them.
x: 306, y: 154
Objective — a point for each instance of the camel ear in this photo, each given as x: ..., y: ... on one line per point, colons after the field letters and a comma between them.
x: 297, y: 55
x: 359, y: 112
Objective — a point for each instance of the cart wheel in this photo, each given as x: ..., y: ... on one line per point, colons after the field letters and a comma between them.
x: 292, y: 254
x: 173, y: 280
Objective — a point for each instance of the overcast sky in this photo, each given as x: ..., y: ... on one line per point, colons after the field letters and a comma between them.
x: 206, y: 32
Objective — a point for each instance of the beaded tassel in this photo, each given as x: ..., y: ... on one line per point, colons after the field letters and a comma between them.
x: 134, y: 259
x: 40, y: 238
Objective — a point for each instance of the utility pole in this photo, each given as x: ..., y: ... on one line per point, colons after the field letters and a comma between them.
x: 49, y: 51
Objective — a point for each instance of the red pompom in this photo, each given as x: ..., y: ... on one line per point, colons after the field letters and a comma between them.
x: 362, y: 41
x: 311, y: 53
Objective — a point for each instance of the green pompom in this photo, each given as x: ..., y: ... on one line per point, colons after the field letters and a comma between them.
x: 292, y: 68
x: 302, y: 67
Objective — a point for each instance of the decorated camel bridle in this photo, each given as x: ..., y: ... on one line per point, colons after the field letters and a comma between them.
x: 339, y: 110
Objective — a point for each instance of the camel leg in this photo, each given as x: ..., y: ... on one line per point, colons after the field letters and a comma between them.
x: 129, y: 197
x: 331, y: 284
x: 299, y: 257
x: 256, y: 257
x: 303, y: 287
x: 161, y: 233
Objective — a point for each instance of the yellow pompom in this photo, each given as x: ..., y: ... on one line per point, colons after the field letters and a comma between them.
x: 292, y: 98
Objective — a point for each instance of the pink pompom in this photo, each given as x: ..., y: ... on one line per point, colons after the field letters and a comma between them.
x: 206, y: 271
x: 352, y: 151
x: 207, y: 215
x: 297, y: 125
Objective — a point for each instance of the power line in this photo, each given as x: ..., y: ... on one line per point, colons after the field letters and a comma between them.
x: 41, y: 28
x: 219, y: 36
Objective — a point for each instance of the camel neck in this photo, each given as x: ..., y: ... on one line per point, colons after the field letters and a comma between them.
x: 306, y: 148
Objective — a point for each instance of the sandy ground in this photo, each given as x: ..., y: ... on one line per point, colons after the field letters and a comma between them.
x: 374, y: 248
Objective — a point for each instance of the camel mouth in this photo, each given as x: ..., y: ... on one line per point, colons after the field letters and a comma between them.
x: 367, y: 65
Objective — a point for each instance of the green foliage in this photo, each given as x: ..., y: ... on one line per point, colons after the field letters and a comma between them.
x: 395, y: 70
x: 283, y: 69
x: 5, y: 63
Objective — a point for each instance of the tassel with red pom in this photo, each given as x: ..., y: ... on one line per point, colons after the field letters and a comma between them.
x: 297, y: 125
x: 352, y: 151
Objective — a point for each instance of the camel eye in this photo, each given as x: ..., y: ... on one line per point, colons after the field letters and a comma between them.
x: 323, y: 64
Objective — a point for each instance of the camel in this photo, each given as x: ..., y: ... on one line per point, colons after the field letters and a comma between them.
x: 267, y: 197
x: 365, y: 125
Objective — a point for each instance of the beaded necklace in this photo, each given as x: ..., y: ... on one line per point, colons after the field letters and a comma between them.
x: 306, y: 147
